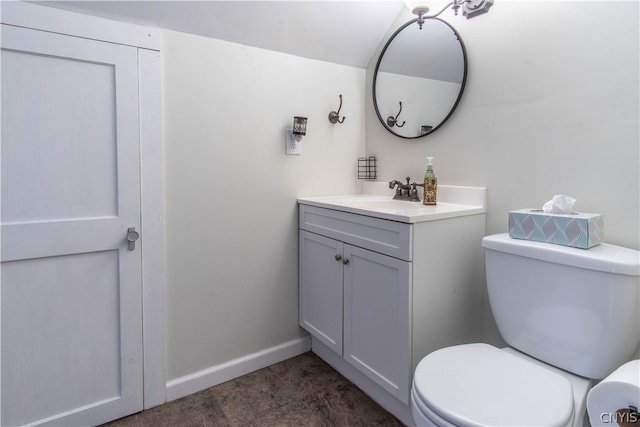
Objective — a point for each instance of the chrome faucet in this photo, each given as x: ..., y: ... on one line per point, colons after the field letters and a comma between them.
x: 405, y: 191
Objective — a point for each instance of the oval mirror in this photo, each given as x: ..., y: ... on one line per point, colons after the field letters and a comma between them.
x: 419, y: 78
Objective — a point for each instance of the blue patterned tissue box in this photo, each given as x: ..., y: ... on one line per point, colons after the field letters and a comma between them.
x: 580, y: 230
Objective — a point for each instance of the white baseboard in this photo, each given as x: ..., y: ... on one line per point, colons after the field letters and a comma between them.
x: 218, y: 374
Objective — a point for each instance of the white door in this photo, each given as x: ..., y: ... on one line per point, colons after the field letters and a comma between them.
x: 70, y: 287
x: 376, y: 318
x: 321, y: 288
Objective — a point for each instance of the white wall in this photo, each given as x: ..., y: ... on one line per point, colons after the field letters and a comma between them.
x: 230, y: 202
x: 550, y: 107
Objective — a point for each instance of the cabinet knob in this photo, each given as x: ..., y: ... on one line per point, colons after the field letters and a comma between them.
x: 345, y: 261
x: 338, y: 257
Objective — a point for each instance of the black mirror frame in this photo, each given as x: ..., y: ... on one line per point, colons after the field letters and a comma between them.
x: 375, y: 78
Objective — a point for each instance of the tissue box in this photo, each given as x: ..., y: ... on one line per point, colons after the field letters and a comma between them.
x: 580, y: 230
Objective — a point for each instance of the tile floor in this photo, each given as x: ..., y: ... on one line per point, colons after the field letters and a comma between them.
x: 298, y: 392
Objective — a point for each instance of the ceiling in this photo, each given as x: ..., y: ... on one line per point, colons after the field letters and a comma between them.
x: 343, y: 32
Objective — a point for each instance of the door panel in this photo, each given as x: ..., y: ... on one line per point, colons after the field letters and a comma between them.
x: 41, y: 181
x: 321, y: 288
x: 71, y: 289
x: 377, y: 313
x: 46, y: 347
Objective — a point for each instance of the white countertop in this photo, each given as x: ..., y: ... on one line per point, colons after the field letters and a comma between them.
x: 453, y: 201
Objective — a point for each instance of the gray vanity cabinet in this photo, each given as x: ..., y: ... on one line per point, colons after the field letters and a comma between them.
x: 383, y: 283
x: 355, y: 300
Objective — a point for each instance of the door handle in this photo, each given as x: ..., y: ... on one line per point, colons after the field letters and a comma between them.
x: 132, y: 236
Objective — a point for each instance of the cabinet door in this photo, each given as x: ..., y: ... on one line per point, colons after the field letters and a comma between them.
x: 321, y: 290
x: 377, y: 313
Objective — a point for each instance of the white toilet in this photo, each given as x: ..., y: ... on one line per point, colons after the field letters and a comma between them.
x: 570, y: 317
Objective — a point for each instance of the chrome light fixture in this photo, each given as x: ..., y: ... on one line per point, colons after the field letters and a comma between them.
x: 470, y: 8
x: 421, y: 11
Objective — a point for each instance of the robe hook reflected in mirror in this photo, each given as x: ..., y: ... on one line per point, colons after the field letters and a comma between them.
x: 393, y: 121
x: 334, y: 116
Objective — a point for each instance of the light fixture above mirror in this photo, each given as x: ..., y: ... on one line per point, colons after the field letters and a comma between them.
x: 470, y: 8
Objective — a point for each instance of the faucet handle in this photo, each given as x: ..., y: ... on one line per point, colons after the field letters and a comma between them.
x: 413, y: 193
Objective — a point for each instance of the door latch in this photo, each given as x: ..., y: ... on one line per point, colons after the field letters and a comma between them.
x: 132, y: 236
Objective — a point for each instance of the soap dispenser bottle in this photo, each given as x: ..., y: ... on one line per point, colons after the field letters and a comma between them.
x: 430, y: 184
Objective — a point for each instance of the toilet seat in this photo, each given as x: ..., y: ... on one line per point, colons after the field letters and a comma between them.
x: 481, y: 385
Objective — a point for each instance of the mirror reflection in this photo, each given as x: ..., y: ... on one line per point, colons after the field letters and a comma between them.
x: 419, y: 78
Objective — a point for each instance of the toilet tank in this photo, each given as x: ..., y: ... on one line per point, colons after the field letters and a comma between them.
x: 576, y: 309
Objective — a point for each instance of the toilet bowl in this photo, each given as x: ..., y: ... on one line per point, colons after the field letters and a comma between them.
x: 551, y: 306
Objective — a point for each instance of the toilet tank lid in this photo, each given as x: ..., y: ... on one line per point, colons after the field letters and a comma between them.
x: 604, y: 257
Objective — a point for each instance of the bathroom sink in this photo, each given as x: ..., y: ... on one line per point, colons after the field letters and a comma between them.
x: 453, y: 201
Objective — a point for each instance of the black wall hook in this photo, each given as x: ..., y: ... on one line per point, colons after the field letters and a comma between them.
x: 393, y: 121
x: 334, y: 116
